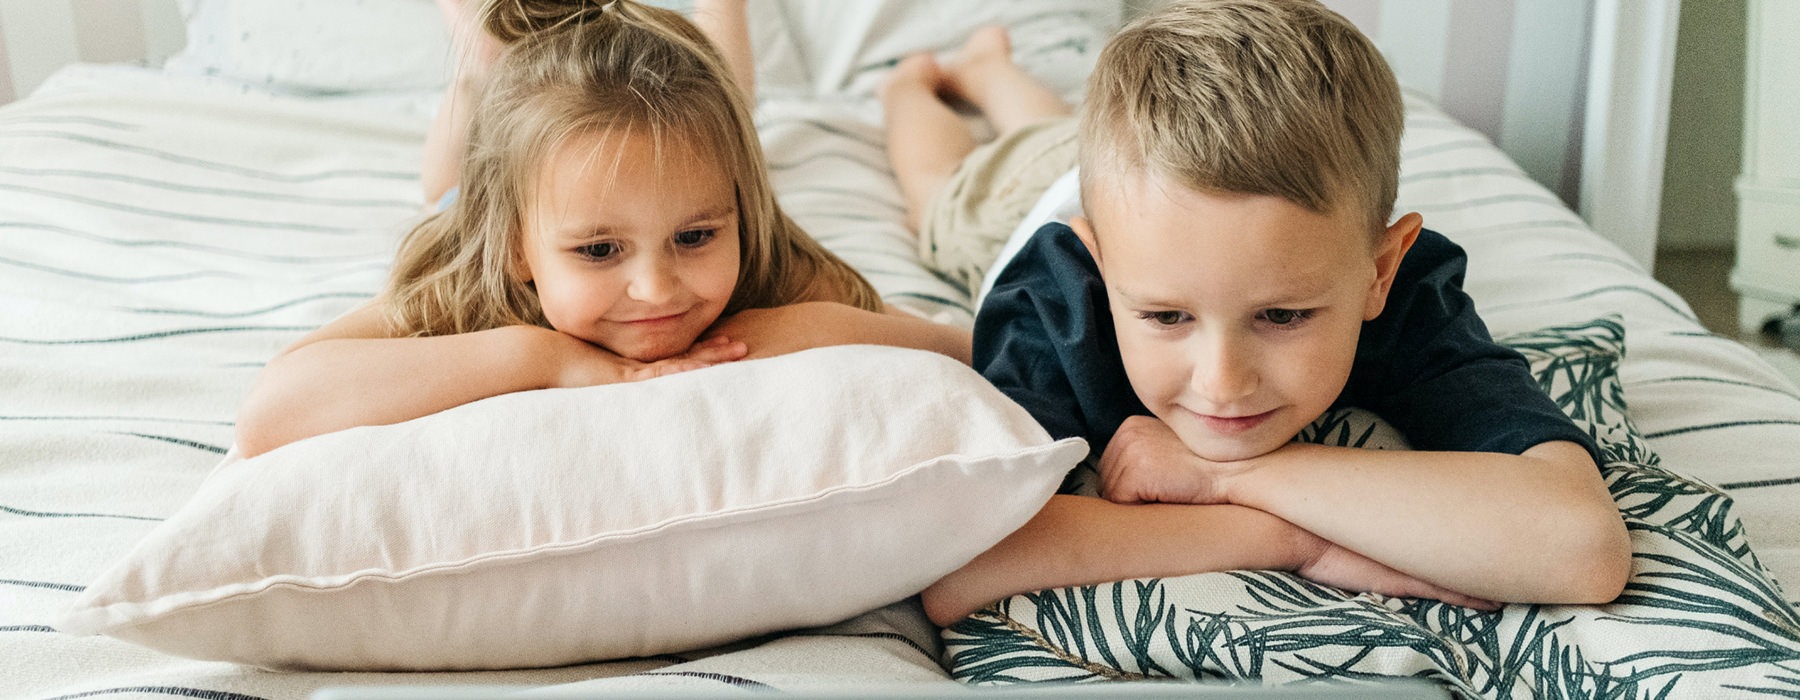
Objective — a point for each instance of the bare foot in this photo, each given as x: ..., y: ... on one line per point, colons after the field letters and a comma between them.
x: 918, y: 72
x: 475, y: 47
x: 986, y: 49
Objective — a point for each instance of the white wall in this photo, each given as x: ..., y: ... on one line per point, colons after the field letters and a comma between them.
x: 1706, y: 127
x: 1512, y: 69
x: 39, y: 36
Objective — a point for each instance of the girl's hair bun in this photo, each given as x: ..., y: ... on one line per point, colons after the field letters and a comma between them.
x: 511, y: 20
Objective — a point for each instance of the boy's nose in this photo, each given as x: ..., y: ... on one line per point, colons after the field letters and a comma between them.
x: 1225, y: 373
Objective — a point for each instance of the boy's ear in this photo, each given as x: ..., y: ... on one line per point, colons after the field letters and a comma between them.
x: 1390, y: 249
x: 1085, y: 232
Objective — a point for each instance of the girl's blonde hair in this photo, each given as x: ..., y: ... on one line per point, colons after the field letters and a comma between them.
x: 573, y: 68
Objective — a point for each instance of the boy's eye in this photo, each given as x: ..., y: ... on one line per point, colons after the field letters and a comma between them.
x: 1164, y: 318
x: 694, y: 239
x: 1285, y: 317
x: 599, y: 251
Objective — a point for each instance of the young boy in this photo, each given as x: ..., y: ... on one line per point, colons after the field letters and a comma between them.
x: 1235, y: 275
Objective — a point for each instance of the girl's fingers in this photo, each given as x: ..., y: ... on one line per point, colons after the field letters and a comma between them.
x: 668, y: 367
x: 718, y: 349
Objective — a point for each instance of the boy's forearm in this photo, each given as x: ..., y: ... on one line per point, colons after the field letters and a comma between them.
x: 1539, y: 527
x: 1076, y: 540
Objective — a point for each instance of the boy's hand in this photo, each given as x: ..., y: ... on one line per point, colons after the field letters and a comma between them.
x: 1147, y: 463
x: 1342, y: 568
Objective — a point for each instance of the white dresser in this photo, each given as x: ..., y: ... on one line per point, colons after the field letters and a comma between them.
x: 1767, y: 275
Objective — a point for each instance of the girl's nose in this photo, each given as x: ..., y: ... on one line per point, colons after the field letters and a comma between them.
x: 655, y: 280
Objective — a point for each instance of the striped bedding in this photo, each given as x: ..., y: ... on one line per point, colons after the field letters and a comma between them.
x: 161, y: 238
x: 159, y: 242
x: 1710, y: 406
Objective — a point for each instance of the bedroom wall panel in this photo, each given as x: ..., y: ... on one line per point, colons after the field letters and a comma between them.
x: 1575, y: 91
x: 1706, y: 128
x: 39, y: 36
x: 1515, y: 70
x: 6, y: 82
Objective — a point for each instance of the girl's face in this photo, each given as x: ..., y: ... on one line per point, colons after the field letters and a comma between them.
x: 631, y: 248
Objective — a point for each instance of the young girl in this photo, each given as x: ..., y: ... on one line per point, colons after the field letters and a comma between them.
x: 614, y: 223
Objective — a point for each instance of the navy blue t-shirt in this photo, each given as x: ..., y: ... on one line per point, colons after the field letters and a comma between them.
x: 1044, y: 336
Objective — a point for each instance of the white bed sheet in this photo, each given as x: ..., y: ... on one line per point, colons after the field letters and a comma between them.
x: 160, y: 239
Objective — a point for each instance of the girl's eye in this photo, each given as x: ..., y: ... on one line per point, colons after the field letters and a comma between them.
x: 1164, y: 319
x: 599, y: 251
x: 694, y: 239
x: 1286, y: 317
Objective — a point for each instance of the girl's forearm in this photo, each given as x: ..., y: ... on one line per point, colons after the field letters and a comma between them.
x: 334, y: 384
x: 1539, y: 527
x: 1076, y: 541
x: 906, y: 330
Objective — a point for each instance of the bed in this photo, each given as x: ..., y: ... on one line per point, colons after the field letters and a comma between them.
x: 164, y: 231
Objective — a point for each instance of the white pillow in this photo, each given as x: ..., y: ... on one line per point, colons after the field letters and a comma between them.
x: 845, y: 47
x: 317, y: 46
x: 568, y: 525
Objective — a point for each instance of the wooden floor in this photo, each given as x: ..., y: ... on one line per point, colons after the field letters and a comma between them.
x: 1702, y: 277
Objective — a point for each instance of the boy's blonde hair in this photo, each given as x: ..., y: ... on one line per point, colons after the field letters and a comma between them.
x: 574, y: 68
x: 1267, y: 97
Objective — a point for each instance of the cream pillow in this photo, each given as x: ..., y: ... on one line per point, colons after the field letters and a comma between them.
x: 568, y: 525
x: 317, y: 47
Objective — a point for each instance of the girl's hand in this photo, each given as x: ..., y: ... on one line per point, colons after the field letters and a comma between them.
x: 580, y: 363
x: 1342, y: 568
x: 1145, y: 462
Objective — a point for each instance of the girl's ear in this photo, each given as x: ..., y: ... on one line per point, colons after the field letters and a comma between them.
x: 520, y: 268
x: 1390, y: 249
x: 1085, y: 232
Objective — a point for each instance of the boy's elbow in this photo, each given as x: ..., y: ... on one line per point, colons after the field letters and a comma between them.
x: 942, y: 604
x: 1599, y: 561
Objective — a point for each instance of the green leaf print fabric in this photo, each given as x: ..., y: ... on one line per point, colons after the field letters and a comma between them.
x: 1699, y: 617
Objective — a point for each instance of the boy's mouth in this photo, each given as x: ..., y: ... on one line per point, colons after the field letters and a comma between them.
x: 1232, y: 425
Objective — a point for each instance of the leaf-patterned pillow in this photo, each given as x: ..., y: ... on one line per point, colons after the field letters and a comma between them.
x: 1699, y: 617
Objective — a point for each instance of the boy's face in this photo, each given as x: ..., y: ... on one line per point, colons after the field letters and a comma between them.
x: 1237, y: 315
